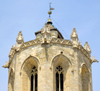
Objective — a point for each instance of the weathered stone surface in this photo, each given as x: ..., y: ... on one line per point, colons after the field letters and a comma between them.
x: 46, y: 53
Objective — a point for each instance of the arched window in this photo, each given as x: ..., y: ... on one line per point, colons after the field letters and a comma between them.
x: 85, y: 78
x: 59, y: 78
x: 34, y: 77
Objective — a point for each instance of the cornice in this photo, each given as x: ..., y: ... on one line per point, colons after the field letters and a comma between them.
x: 40, y: 41
x: 84, y: 52
x: 31, y: 43
x: 61, y: 41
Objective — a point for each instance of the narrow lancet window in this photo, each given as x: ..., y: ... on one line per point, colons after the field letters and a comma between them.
x: 36, y: 82
x: 61, y: 81
x: 57, y: 81
x: 34, y: 79
x: 32, y: 82
x: 59, y: 78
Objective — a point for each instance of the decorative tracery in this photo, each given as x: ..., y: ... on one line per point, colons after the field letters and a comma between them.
x: 59, y: 78
x: 34, y: 79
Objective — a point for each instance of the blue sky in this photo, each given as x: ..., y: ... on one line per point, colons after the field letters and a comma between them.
x: 30, y: 16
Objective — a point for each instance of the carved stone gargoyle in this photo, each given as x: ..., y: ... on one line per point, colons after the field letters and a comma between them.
x: 94, y: 60
x: 6, y: 65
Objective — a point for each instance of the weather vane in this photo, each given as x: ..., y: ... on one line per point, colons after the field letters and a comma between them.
x: 50, y: 8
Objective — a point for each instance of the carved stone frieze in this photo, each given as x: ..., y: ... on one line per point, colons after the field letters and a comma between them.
x: 61, y: 41
x: 40, y: 41
x: 31, y: 43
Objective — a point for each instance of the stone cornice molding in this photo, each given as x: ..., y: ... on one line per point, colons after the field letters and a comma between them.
x: 39, y: 41
x: 31, y: 43
x: 83, y: 51
x: 61, y: 41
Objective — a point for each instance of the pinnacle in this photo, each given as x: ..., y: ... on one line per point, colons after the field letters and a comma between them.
x: 74, y: 33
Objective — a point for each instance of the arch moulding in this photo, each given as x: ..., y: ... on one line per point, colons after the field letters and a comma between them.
x: 83, y: 64
x: 24, y: 62
x: 60, y: 56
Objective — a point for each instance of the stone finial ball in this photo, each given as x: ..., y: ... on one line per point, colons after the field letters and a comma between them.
x: 49, y: 12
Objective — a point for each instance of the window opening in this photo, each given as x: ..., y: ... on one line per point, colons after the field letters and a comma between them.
x: 34, y: 79
x: 61, y: 81
x: 36, y: 82
x: 57, y: 81
x: 59, y: 78
x: 32, y: 82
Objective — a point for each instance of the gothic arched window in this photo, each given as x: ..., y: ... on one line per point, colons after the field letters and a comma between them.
x: 85, y: 78
x: 59, y: 78
x: 34, y: 78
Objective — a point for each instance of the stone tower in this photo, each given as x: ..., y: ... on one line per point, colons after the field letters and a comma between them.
x: 50, y: 63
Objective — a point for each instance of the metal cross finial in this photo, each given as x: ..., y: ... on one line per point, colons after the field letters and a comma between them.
x: 50, y: 12
x: 50, y: 5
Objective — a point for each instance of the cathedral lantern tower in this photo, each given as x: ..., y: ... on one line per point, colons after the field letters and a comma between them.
x: 50, y: 62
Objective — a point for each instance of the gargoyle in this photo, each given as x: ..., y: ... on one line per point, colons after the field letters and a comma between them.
x: 6, y: 65
x: 94, y: 60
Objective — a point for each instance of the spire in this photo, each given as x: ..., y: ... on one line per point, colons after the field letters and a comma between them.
x: 50, y: 12
x: 20, y: 39
x: 50, y: 8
